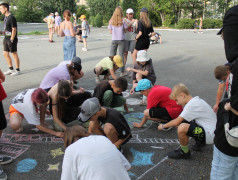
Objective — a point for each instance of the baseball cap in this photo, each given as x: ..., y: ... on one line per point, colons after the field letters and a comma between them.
x: 82, y: 17
x: 118, y: 60
x: 144, y: 10
x: 142, y: 56
x: 143, y: 84
x: 128, y: 11
x: 88, y: 109
x: 76, y: 59
x: 230, y: 18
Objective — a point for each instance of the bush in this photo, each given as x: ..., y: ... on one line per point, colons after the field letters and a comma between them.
x: 186, y: 23
x: 207, y: 23
x: 212, y: 23
x: 98, y: 20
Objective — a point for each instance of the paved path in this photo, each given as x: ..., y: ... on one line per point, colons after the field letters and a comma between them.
x: 183, y: 57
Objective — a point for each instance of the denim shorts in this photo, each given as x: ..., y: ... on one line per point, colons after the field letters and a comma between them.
x: 224, y: 167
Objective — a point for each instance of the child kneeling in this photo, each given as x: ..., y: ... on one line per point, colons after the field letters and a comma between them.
x: 197, y: 120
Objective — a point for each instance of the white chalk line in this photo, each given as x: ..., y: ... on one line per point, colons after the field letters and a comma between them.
x: 141, y: 176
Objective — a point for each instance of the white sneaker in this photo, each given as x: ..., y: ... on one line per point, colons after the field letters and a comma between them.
x: 16, y: 73
x: 8, y: 72
x: 84, y: 49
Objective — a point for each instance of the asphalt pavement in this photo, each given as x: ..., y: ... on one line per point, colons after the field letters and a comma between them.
x: 183, y: 57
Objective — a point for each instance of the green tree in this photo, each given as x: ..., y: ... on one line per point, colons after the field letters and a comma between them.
x: 28, y: 11
x: 103, y: 7
x: 59, y: 6
x: 98, y: 20
x: 130, y: 4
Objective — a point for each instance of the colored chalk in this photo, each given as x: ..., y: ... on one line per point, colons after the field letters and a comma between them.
x: 141, y: 158
x: 26, y: 165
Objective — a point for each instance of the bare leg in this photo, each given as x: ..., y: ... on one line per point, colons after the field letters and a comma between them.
x: 85, y: 42
x: 8, y: 58
x: 111, y: 132
x: 182, y: 134
x: 16, y: 121
x: 16, y: 58
x: 134, y: 55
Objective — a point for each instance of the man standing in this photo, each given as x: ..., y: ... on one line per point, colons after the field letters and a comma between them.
x: 10, y: 40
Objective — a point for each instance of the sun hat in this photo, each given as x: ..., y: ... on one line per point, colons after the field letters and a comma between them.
x: 82, y: 17
x: 142, y: 56
x: 56, y: 13
x: 88, y: 109
x: 118, y: 60
x: 143, y: 84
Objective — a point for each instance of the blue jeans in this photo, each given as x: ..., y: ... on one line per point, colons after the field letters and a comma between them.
x: 69, y: 48
x: 224, y: 167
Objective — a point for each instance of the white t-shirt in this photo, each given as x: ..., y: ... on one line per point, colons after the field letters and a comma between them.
x: 22, y: 102
x: 94, y: 158
x: 197, y: 109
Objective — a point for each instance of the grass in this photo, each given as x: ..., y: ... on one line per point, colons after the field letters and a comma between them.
x: 33, y: 33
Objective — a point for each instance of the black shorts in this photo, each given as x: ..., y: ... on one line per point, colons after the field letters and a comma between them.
x: 142, y: 43
x: 8, y: 45
x: 3, y: 121
x: 105, y: 72
x: 159, y: 113
x: 195, y: 131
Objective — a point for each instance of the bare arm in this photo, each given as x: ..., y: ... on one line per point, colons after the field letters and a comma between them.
x: 220, y: 90
x: 172, y: 123
x: 2, y: 76
x: 110, y: 31
x: 113, y: 74
x: 139, y: 34
x: 14, y: 31
x: 229, y: 108
x: 49, y: 131
x: 144, y: 73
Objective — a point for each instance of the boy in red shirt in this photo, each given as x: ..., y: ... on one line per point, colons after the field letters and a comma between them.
x: 160, y: 107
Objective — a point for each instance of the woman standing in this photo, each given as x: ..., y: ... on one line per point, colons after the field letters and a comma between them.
x: 146, y: 30
x: 67, y: 30
x: 117, y: 27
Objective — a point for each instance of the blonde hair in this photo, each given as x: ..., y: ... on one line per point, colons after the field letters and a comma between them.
x: 117, y: 17
x: 177, y: 89
x: 145, y: 19
x: 73, y: 134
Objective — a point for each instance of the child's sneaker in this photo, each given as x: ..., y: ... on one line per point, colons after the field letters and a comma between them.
x: 8, y: 72
x: 97, y: 80
x: 3, y: 175
x: 5, y: 159
x: 16, y: 73
x: 84, y: 49
x: 179, y: 154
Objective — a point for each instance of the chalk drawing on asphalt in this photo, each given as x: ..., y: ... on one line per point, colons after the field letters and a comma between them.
x: 53, y: 167
x: 157, y: 147
x: 12, y: 149
x: 31, y: 138
x: 141, y: 158
x: 133, y: 101
x: 136, y: 139
x: 26, y: 165
x: 35, y: 129
x: 131, y: 174
x: 56, y: 152
x: 136, y: 117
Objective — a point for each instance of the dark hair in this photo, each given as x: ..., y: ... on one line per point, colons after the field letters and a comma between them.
x: 111, y: 57
x: 64, y: 90
x: 221, y: 71
x: 121, y: 83
x: 73, y: 134
x: 67, y: 14
x: 39, y: 96
x: 71, y: 69
x: 6, y: 5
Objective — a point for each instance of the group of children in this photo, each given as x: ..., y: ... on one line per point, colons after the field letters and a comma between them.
x: 175, y: 107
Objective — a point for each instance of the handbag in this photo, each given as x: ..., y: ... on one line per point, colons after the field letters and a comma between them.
x: 230, y: 132
x: 3, y: 94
